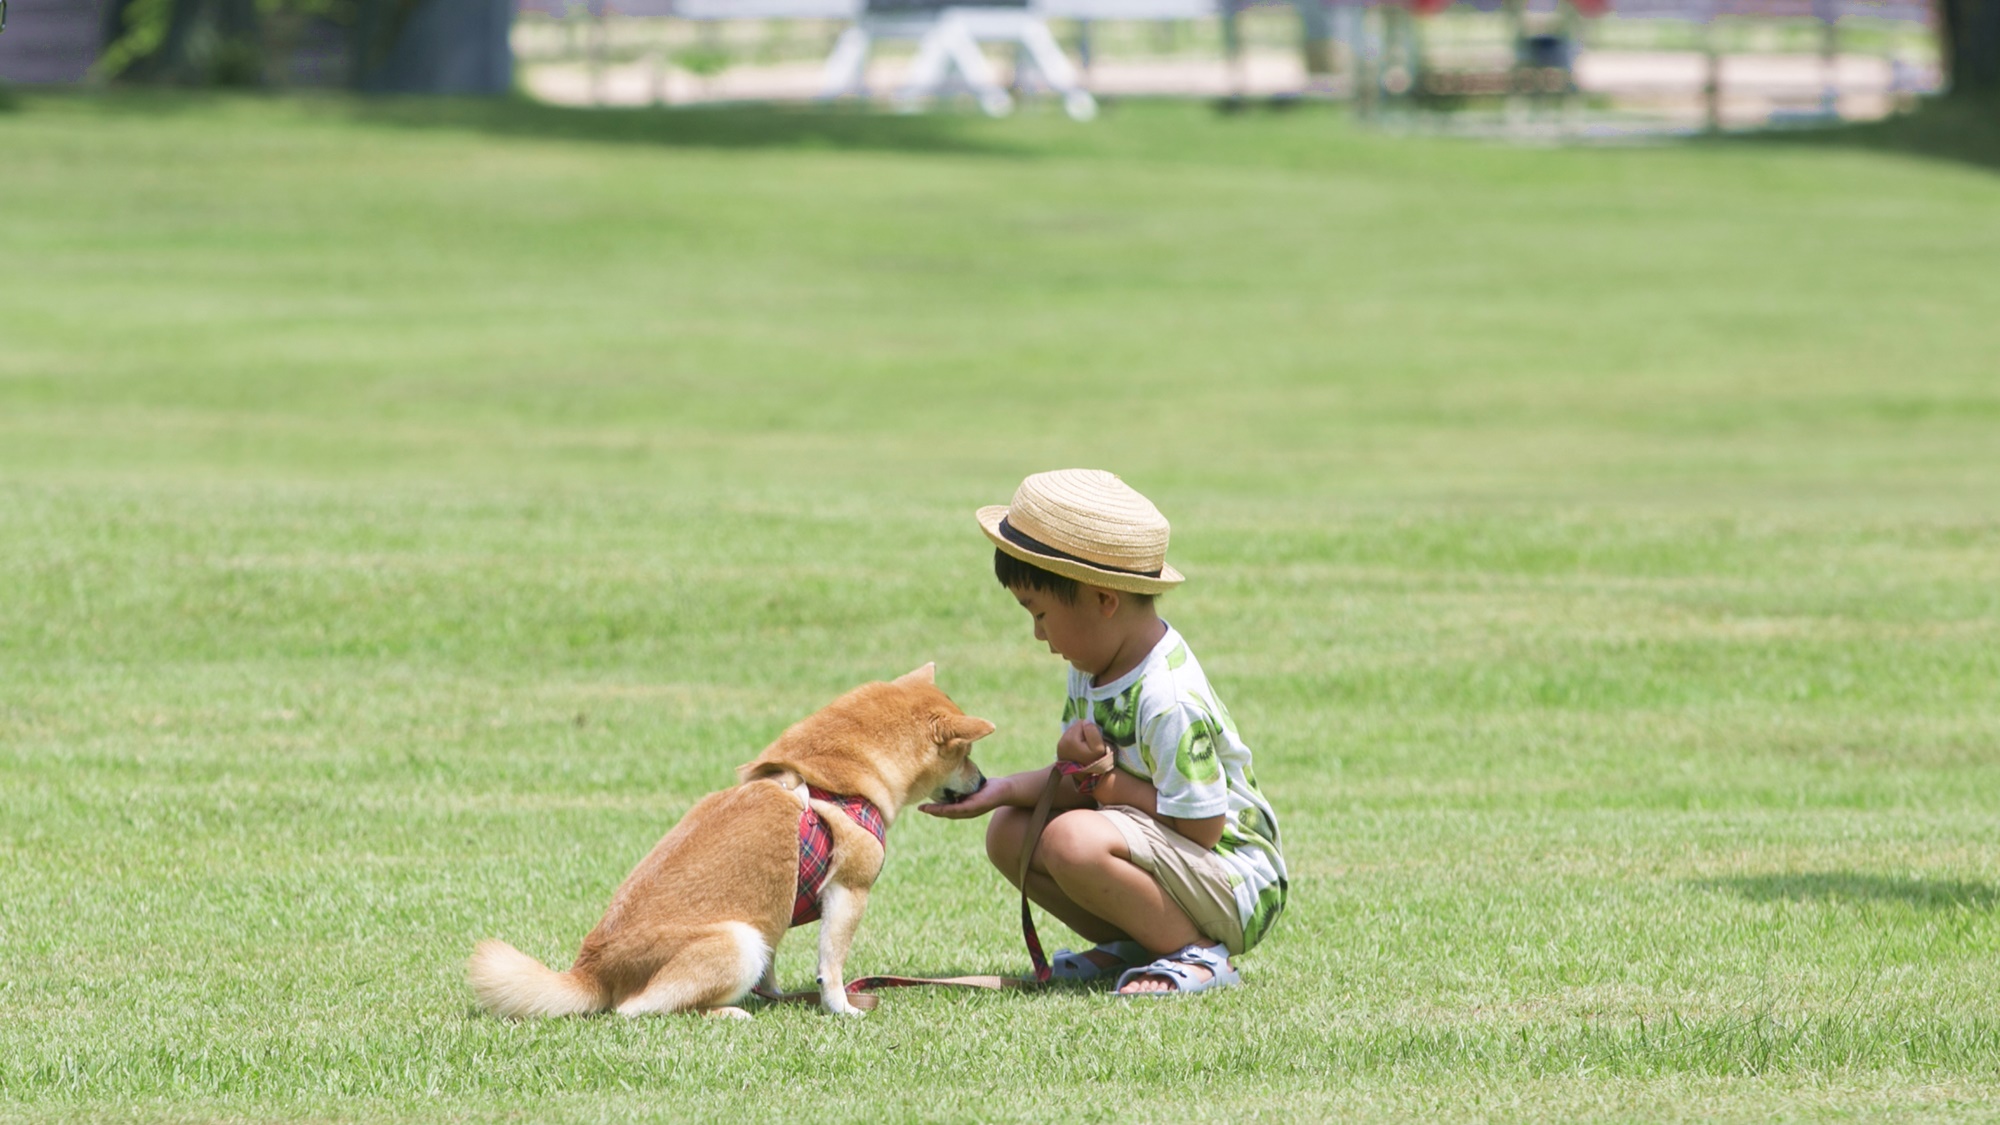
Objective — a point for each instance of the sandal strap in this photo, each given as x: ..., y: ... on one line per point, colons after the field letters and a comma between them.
x: 1214, y: 958
x: 1073, y: 966
x: 1167, y: 967
x: 1128, y: 952
x: 1176, y: 966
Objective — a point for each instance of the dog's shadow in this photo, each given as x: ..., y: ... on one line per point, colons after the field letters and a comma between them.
x: 933, y: 982
x: 795, y: 999
x: 1856, y: 887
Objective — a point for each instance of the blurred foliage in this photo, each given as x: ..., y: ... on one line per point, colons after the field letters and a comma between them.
x: 237, y: 43
x: 142, y: 30
x: 703, y: 59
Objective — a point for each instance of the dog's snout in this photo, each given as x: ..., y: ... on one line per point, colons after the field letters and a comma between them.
x: 963, y: 784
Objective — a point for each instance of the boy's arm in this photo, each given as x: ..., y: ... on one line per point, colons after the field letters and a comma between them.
x: 1084, y: 744
x: 1019, y: 790
x: 1022, y: 790
x: 1121, y: 788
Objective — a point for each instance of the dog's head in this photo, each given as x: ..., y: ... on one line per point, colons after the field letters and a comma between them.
x: 953, y: 776
x: 893, y: 743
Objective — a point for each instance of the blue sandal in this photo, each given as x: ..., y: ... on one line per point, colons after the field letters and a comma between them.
x: 1077, y: 966
x: 1174, y: 967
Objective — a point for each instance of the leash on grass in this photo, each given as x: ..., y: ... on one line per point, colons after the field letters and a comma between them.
x: 860, y: 991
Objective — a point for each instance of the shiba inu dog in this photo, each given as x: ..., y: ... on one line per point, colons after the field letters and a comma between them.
x: 695, y: 925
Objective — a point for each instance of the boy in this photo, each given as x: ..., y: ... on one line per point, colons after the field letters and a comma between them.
x: 1170, y: 861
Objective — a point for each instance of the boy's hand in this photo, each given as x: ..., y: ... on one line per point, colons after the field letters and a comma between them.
x: 991, y: 796
x: 1084, y: 744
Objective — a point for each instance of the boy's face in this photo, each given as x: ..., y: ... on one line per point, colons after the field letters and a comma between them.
x: 1076, y: 631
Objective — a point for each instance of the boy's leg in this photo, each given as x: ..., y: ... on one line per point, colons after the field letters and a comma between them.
x: 1088, y: 858
x: 1005, y: 834
x: 1083, y: 867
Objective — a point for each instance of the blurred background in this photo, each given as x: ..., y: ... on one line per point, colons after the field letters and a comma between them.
x: 1575, y: 65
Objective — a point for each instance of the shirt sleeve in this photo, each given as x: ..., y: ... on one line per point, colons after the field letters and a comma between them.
x: 1073, y: 708
x: 1182, y: 743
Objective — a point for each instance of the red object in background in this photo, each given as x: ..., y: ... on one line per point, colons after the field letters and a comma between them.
x: 1583, y: 7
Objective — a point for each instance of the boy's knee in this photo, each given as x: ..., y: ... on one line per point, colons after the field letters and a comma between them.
x: 1003, y: 837
x: 1072, y: 842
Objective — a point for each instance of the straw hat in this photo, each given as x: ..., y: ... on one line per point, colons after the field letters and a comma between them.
x: 1088, y: 525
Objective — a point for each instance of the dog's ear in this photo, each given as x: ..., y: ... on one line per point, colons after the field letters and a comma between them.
x: 924, y: 675
x: 753, y: 771
x: 960, y: 728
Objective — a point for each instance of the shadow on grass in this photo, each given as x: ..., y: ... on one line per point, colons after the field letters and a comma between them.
x: 1962, y: 131
x: 831, y: 127
x: 711, y: 127
x: 879, y: 989
x: 1855, y: 886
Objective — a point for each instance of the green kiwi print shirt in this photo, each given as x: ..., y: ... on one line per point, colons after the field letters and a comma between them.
x: 1170, y: 728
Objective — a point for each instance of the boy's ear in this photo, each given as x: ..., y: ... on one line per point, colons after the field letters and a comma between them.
x: 1107, y: 601
x: 924, y: 675
x: 960, y: 728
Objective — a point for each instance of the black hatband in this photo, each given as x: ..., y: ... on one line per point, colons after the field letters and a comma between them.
x: 1029, y: 543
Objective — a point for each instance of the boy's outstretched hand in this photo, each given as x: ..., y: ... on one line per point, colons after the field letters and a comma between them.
x: 996, y: 792
x: 1081, y: 743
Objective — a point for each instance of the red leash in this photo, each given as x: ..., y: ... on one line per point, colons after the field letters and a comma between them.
x: 1030, y: 840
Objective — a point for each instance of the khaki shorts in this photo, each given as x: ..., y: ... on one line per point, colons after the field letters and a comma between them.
x: 1194, y: 877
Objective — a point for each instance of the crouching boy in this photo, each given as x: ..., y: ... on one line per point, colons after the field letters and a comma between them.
x: 1169, y: 862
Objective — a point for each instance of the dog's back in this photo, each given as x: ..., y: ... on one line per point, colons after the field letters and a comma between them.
x: 733, y: 858
x: 728, y: 869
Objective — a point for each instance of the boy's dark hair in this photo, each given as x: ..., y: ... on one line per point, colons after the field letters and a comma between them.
x: 1018, y: 574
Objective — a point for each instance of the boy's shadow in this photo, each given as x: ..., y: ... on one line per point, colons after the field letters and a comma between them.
x: 1857, y: 886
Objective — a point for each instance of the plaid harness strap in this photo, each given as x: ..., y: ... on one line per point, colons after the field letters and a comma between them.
x: 816, y: 848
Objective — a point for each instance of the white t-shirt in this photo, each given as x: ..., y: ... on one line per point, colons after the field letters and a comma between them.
x: 1169, y: 728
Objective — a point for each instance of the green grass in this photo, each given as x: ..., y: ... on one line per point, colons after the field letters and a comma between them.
x: 407, y: 511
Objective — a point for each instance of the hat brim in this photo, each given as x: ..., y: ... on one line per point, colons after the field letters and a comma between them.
x: 989, y: 522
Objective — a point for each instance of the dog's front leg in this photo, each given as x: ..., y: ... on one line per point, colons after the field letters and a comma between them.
x: 856, y: 861
x: 839, y: 916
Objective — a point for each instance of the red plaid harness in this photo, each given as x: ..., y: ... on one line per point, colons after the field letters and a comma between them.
x: 816, y: 847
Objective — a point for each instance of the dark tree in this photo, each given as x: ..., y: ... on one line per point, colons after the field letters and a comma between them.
x: 188, y: 42
x: 433, y: 46
x: 390, y: 46
x: 1969, y: 31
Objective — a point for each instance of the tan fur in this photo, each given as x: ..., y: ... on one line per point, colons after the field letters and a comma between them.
x: 695, y: 925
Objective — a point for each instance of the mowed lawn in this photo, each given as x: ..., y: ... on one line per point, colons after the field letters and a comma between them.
x: 406, y: 512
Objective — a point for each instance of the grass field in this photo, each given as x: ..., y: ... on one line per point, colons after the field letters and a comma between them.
x: 406, y: 512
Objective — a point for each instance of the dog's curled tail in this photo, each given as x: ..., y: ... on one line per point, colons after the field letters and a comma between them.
x: 512, y: 984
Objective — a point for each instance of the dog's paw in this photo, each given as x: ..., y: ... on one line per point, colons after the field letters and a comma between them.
x: 837, y: 1004
x: 726, y: 1013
